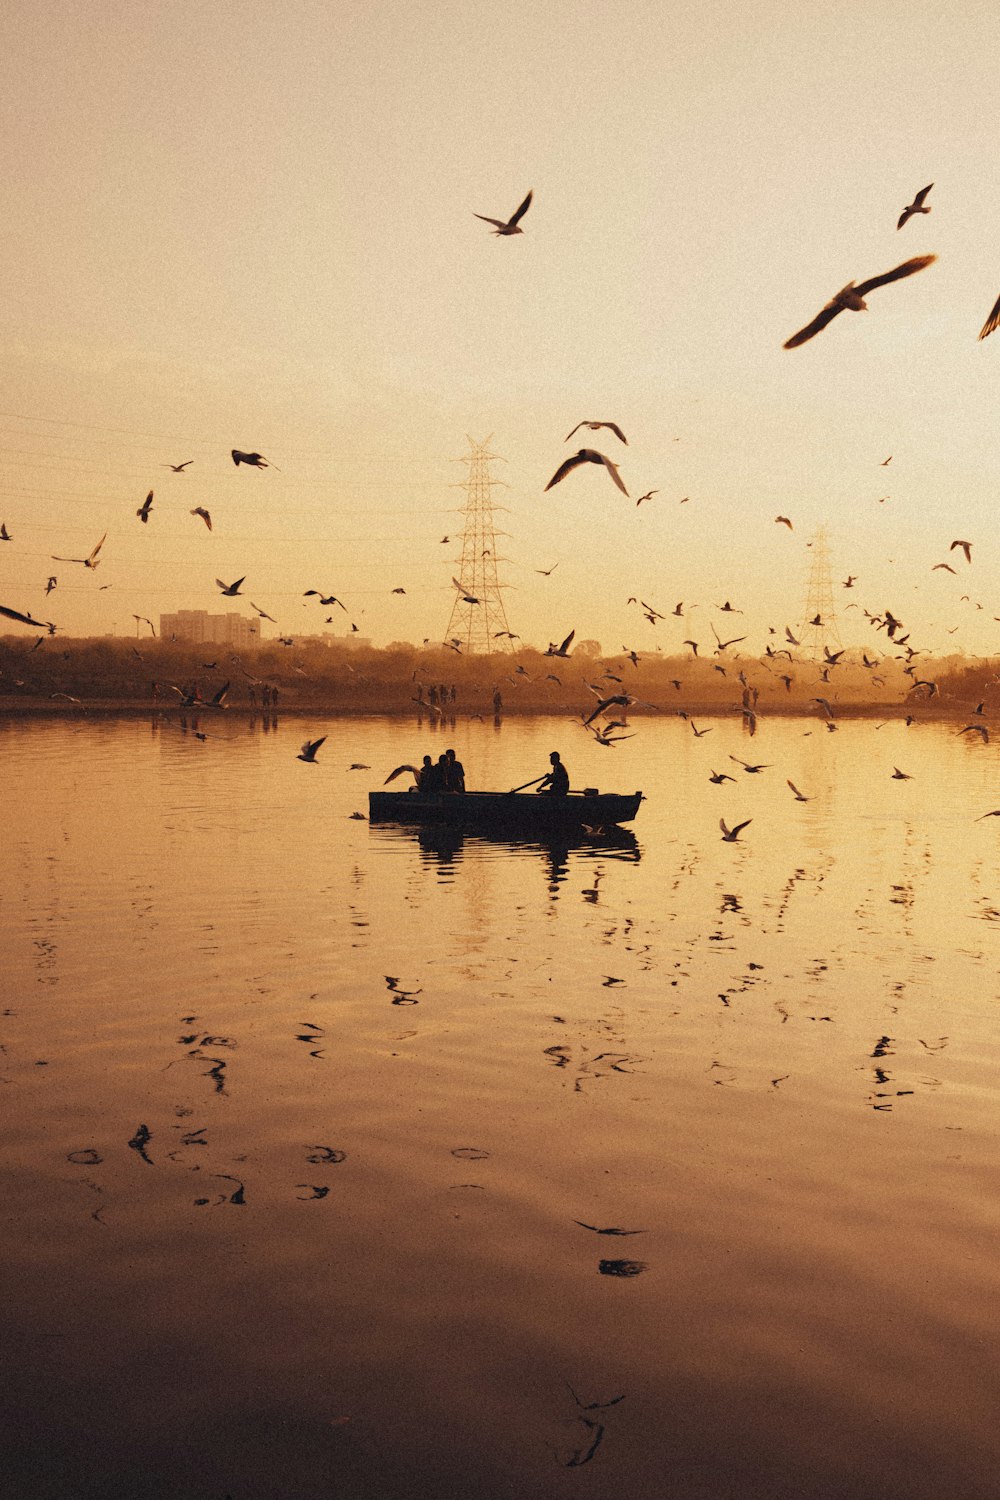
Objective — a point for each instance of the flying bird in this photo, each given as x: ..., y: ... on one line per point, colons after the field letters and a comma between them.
x: 718, y: 777
x: 399, y: 591
x: 750, y: 769
x: 50, y: 584
x: 178, y: 468
x: 898, y: 775
x: 255, y: 460
x: 262, y: 612
x: 200, y: 510
x: 397, y: 772
x: 308, y: 751
x: 512, y: 225
x: 230, y: 589
x: 798, y: 795
x: 783, y: 521
x: 992, y: 322
x: 563, y: 650
x: 88, y: 562
x: 730, y: 835
x: 145, y: 508
x: 916, y: 207
x: 979, y: 729
x: 546, y: 572
x: 5, y: 535
x: 966, y: 548
x: 587, y: 456
x: 647, y: 496
x: 946, y: 566
x: 852, y: 297
x: 15, y: 614
x: 595, y: 427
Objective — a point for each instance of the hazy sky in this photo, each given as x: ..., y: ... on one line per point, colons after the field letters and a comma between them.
x: 251, y: 225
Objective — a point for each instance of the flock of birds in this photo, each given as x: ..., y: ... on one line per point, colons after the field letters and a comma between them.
x: 849, y: 298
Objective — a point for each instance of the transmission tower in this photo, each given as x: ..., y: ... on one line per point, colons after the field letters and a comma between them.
x: 478, y: 620
x: 819, y: 602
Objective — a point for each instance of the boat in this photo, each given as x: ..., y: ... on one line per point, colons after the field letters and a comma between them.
x: 526, y: 811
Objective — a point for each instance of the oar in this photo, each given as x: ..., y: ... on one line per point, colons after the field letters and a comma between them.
x: 526, y: 785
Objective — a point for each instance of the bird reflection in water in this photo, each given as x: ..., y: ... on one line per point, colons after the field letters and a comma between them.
x: 443, y: 848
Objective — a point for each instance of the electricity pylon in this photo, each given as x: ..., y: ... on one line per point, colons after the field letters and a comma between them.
x: 819, y: 626
x: 478, y: 620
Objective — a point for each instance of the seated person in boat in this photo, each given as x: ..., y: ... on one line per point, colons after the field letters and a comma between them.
x: 556, y: 782
x: 454, y: 773
x: 424, y: 776
x: 432, y: 776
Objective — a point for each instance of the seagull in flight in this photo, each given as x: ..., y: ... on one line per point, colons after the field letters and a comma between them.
x: 647, y: 496
x: 783, y: 521
x: 587, y: 456
x: 730, y: 835
x: 178, y: 468
x: 145, y: 508
x: 230, y: 589
x: 308, y: 751
x: 15, y: 614
x: 88, y: 562
x: 563, y: 650
x: 398, y: 772
x: 5, y: 535
x: 916, y: 207
x: 798, y: 795
x: 596, y: 427
x: 966, y: 548
x: 200, y: 510
x: 255, y: 460
x: 512, y: 225
x: 853, y: 297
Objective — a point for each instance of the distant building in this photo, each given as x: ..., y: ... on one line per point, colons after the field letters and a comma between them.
x: 232, y: 629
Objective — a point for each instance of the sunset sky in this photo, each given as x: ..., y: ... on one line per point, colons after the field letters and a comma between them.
x: 252, y: 226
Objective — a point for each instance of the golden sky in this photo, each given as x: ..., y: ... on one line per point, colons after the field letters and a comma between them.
x: 252, y: 226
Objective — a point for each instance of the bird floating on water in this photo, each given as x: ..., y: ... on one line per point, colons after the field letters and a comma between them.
x: 852, y: 297
x: 511, y: 225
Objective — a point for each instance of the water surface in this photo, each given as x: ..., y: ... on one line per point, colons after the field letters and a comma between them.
x: 306, y: 1119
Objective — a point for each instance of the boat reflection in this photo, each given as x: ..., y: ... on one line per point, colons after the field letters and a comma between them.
x: 443, y: 847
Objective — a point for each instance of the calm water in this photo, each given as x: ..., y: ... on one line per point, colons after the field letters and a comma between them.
x: 305, y: 1119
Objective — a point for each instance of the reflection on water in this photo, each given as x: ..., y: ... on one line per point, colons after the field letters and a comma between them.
x: 444, y: 847
x: 394, y: 1162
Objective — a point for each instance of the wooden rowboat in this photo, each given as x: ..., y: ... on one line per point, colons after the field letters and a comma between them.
x: 526, y: 811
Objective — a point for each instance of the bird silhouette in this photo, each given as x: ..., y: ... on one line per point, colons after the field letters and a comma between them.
x: 916, y: 207
x: 178, y: 468
x: 718, y: 777
x: 783, y: 521
x: 309, y: 749
x: 730, y: 835
x: 511, y: 225
x: 200, y: 510
x: 230, y: 589
x: 398, y: 772
x: 255, y: 460
x: 966, y: 548
x: 587, y: 456
x: 563, y: 650
x: 852, y: 297
x: 5, y: 535
x: 88, y: 562
x: 145, y: 508
x: 596, y: 427
x: 798, y: 795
